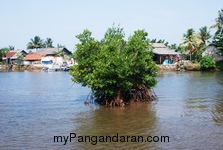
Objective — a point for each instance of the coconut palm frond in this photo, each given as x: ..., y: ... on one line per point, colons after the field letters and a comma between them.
x: 35, y: 43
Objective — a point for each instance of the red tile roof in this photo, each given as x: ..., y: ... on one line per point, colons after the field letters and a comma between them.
x: 32, y: 57
x: 10, y: 54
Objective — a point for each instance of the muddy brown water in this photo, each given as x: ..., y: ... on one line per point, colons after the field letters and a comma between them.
x: 36, y: 107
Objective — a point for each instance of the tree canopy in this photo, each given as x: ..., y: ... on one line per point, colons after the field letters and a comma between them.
x: 195, y: 42
x: 37, y: 42
x: 219, y: 23
x: 3, y: 52
x: 48, y: 43
x: 218, y: 42
x: 113, y: 66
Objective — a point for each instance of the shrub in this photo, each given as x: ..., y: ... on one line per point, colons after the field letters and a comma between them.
x: 207, y: 63
x: 116, y: 70
x: 219, y: 65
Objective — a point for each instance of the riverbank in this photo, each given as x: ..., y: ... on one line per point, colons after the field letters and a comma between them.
x: 21, y: 67
x: 184, y: 65
x: 34, y: 67
x: 188, y: 66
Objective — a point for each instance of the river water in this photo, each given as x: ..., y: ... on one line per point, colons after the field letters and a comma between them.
x: 37, y: 106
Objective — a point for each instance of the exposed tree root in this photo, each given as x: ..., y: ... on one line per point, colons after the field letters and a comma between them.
x: 135, y: 94
x: 141, y: 93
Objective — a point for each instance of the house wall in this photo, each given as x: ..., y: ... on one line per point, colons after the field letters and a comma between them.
x: 52, y: 60
x: 25, y: 62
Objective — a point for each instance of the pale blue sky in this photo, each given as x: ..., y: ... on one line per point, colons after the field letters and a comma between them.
x: 62, y: 20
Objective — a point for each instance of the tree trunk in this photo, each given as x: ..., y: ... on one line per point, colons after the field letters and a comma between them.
x: 190, y: 55
x: 117, y: 101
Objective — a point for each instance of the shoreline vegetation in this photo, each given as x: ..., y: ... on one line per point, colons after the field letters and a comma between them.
x: 120, y: 71
x: 184, y: 66
x: 15, y: 67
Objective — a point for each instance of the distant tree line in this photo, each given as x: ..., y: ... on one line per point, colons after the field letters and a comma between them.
x: 194, y: 42
x: 37, y: 42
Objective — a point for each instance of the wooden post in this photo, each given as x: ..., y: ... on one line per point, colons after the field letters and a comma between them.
x: 160, y: 59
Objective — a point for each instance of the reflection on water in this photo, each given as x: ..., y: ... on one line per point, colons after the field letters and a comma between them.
x: 136, y: 120
x: 36, y: 106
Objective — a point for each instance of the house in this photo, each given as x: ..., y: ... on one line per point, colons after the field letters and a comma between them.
x: 54, y: 55
x: 161, y: 52
x: 14, y: 56
x: 212, y: 51
x: 32, y: 59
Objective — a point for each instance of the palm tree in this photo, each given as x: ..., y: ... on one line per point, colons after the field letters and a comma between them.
x: 188, y: 40
x: 60, y: 53
x: 219, y: 23
x: 153, y: 41
x: 173, y: 46
x: 218, y: 42
x: 3, y: 52
x: 11, y: 47
x: 204, y: 34
x: 60, y: 46
x: 48, y: 43
x: 35, y: 43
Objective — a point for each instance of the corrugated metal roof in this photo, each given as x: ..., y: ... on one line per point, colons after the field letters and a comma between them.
x: 48, y: 50
x: 158, y: 45
x: 165, y: 51
x: 161, y: 49
x: 13, y: 54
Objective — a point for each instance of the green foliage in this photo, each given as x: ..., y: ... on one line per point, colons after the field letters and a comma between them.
x: 60, y: 46
x: 195, y: 43
x: 188, y: 40
x: 197, y: 56
x: 19, y: 60
x: 219, y: 65
x: 204, y: 34
x: 113, y: 64
x: 3, y: 52
x: 60, y: 53
x: 173, y: 46
x: 35, y: 43
x: 11, y: 47
x: 207, y: 63
x: 218, y: 42
x: 219, y: 23
x: 48, y: 43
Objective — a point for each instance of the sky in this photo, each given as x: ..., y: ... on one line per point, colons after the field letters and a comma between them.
x: 62, y: 20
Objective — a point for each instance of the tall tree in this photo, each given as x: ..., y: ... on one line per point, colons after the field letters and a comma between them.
x: 60, y: 46
x: 204, y: 34
x: 3, y: 52
x: 35, y: 43
x: 113, y: 67
x: 11, y: 47
x: 188, y: 40
x: 218, y: 42
x: 219, y: 23
x: 48, y: 43
x: 173, y: 46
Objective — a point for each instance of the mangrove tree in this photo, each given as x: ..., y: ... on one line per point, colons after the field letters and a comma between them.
x: 117, y: 71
